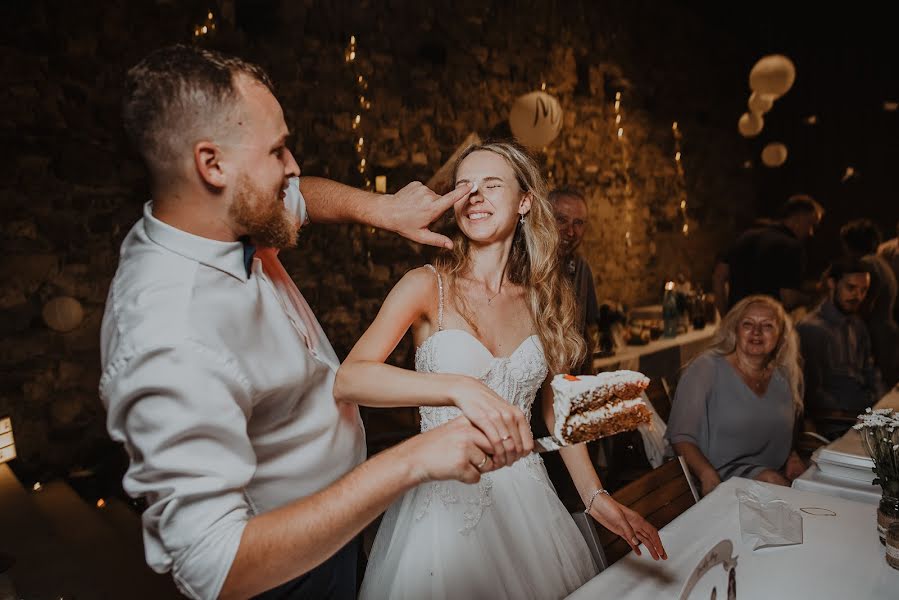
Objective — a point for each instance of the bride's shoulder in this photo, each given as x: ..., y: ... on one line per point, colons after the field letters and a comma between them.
x: 421, y: 278
x: 419, y: 285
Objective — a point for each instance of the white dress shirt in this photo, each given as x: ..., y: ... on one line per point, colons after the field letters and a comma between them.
x: 223, y: 409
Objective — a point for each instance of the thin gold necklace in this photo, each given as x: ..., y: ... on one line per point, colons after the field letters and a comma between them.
x: 756, y: 382
x: 499, y: 291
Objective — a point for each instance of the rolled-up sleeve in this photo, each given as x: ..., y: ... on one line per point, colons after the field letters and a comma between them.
x: 294, y: 201
x: 182, y: 413
x: 689, y: 420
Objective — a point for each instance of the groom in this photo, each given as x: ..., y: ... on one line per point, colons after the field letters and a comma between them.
x: 217, y: 377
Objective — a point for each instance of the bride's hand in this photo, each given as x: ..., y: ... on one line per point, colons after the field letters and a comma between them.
x: 503, y: 424
x: 629, y: 525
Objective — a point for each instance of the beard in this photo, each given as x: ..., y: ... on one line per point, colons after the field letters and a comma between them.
x: 848, y: 307
x: 263, y: 216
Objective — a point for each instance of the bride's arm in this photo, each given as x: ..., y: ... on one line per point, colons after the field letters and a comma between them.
x: 365, y: 379
x: 615, y: 517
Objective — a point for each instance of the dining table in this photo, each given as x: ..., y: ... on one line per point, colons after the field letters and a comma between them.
x: 840, y: 555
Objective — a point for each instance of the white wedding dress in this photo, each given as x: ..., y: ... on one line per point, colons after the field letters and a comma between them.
x: 508, y: 536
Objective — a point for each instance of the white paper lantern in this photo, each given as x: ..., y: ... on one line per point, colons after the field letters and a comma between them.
x: 760, y: 103
x: 774, y: 154
x: 63, y: 314
x: 750, y: 124
x: 773, y: 74
x: 536, y: 119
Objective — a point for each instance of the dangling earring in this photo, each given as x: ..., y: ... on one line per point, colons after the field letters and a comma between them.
x: 522, y: 219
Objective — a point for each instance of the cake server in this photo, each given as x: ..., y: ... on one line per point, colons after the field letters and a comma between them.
x: 547, y: 444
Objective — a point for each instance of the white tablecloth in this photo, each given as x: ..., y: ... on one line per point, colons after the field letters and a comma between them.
x: 814, y: 480
x: 840, y: 557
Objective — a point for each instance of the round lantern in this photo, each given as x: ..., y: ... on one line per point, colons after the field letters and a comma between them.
x: 760, y: 103
x: 773, y: 75
x: 63, y: 314
x: 536, y: 119
x: 750, y: 124
x: 774, y: 154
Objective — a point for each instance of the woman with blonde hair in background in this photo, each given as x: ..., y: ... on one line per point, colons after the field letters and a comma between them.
x: 737, y: 404
x: 492, y: 321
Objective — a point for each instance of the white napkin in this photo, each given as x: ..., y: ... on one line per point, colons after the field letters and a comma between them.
x: 766, y: 520
x: 653, y: 434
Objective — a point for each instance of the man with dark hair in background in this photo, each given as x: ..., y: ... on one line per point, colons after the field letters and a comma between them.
x: 769, y: 258
x: 860, y: 241
x: 839, y: 369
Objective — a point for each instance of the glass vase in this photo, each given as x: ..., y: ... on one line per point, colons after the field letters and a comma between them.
x: 887, y: 514
x: 892, y: 546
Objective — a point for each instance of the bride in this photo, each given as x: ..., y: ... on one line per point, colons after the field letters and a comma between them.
x: 492, y: 321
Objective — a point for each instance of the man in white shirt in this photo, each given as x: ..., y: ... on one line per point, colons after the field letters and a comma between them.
x: 216, y: 376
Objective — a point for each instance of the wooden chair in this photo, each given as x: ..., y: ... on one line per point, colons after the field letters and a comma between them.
x: 659, y: 496
x: 624, y: 453
x: 659, y: 395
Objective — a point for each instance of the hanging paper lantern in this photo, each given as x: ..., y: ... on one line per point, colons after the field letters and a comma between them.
x: 63, y: 314
x: 774, y: 154
x: 536, y: 119
x: 750, y: 124
x: 773, y: 74
x: 759, y: 104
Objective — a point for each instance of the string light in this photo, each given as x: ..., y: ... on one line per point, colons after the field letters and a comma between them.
x: 207, y: 27
x: 626, y: 164
x: 681, y: 180
x: 351, y: 55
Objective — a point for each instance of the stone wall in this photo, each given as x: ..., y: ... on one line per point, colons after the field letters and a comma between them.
x: 70, y: 188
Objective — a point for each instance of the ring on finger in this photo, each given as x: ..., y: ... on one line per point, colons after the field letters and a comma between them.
x: 482, y: 463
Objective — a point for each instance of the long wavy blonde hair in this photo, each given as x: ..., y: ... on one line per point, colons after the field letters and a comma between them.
x: 785, y: 355
x: 533, y: 263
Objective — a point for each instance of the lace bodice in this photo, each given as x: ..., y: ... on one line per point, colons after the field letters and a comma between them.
x: 516, y: 377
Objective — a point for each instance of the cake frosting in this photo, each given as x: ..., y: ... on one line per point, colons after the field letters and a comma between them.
x: 588, y: 407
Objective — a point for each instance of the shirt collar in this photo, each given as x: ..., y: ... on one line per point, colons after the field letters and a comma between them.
x: 227, y: 257
x: 831, y: 313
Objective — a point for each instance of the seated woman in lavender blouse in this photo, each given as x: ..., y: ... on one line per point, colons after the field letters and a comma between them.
x: 737, y: 404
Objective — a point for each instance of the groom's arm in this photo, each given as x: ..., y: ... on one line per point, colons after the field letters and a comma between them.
x: 284, y: 543
x: 409, y: 212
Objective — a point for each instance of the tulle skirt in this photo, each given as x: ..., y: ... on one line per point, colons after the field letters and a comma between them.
x: 508, y: 536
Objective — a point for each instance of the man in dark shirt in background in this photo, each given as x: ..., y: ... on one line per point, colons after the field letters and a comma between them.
x: 860, y: 241
x: 570, y: 209
x: 769, y: 258
x: 839, y: 369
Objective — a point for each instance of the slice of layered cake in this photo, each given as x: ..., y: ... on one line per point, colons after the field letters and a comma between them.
x: 588, y: 407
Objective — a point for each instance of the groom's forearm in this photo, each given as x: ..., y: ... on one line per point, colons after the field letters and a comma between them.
x: 282, y: 544
x: 328, y: 201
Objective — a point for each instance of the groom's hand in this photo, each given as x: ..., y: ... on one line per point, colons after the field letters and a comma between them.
x: 504, y: 424
x: 411, y: 211
x: 455, y: 450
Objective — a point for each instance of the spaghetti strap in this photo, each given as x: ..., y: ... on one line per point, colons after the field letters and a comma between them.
x: 439, y: 297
